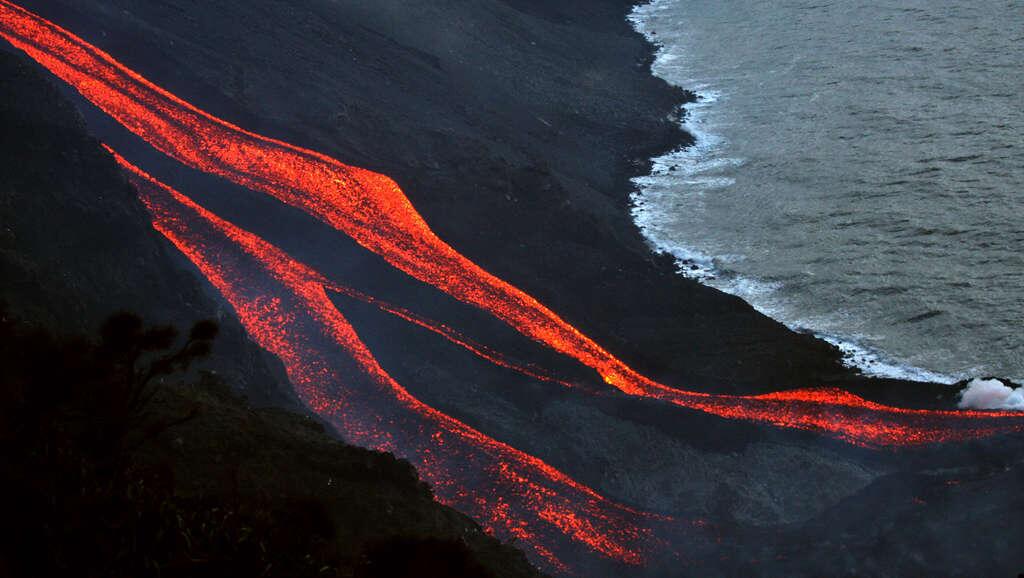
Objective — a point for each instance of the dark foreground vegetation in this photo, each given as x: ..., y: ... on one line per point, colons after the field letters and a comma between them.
x: 117, y: 460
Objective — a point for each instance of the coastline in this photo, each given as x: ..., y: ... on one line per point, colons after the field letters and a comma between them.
x: 653, y: 203
x: 523, y: 157
x: 566, y: 174
x: 695, y: 264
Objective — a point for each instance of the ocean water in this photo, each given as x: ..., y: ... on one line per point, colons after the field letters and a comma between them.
x: 858, y: 172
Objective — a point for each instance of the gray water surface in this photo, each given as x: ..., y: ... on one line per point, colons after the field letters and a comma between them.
x: 858, y: 172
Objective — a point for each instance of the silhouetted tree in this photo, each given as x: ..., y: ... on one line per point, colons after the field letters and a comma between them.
x: 76, y: 419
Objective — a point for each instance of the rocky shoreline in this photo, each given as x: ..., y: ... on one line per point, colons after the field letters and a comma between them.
x: 518, y: 148
x: 515, y: 127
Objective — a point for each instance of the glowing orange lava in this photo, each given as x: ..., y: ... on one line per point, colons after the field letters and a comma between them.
x: 450, y: 334
x: 374, y: 211
x: 283, y: 305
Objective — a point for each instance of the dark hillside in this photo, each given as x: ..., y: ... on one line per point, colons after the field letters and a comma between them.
x: 76, y: 244
x: 108, y: 474
x: 513, y: 125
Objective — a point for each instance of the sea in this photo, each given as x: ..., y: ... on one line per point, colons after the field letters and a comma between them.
x: 858, y: 172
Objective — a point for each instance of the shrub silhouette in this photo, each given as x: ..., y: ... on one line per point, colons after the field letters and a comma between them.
x: 87, y: 491
x: 73, y: 411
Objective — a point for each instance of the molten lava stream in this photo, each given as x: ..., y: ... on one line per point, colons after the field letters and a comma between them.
x: 450, y: 334
x: 831, y: 411
x: 374, y: 211
x: 283, y: 305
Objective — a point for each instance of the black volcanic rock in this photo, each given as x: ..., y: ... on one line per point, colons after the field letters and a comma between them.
x: 514, y: 126
x: 194, y: 483
x: 76, y: 243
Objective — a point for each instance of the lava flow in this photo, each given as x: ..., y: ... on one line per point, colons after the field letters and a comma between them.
x: 373, y: 210
x: 450, y: 334
x: 862, y: 423
x: 283, y: 304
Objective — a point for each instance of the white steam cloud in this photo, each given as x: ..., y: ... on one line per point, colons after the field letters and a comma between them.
x: 991, y: 394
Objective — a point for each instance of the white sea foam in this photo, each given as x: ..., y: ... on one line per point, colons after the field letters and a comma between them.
x: 877, y: 364
x: 684, y: 175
